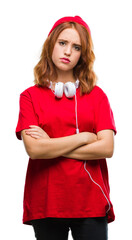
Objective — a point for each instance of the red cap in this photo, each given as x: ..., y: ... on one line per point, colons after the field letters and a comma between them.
x: 76, y: 19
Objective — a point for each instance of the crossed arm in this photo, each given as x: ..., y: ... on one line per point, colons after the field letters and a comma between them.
x: 103, y: 147
x: 82, y: 146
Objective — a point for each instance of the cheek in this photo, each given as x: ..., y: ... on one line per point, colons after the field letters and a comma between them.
x: 77, y: 57
x: 55, y: 53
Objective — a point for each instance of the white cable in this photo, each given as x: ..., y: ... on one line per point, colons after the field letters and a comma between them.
x: 98, y: 186
x: 77, y: 129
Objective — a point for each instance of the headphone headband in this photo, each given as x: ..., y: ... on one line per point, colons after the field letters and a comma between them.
x: 76, y: 84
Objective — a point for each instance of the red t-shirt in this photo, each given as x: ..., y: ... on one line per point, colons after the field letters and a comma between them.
x: 61, y: 187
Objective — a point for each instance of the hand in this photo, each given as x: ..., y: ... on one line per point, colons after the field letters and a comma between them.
x: 36, y: 132
x: 88, y: 137
x: 92, y: 137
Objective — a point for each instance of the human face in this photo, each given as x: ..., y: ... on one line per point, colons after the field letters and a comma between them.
x: 67, y: 50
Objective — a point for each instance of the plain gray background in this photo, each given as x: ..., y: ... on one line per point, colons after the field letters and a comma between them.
x: 24, y: 28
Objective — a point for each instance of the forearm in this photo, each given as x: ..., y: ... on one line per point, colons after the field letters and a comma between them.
x: 96, y: 150
x: 55, y: 147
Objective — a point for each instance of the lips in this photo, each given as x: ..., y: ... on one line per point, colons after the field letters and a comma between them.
x: 65, y: 60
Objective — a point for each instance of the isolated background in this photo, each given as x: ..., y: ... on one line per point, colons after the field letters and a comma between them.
x: 24, y: 28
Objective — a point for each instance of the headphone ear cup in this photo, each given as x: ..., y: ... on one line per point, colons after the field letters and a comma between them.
x: 59, y: 89
x: 69, y: 89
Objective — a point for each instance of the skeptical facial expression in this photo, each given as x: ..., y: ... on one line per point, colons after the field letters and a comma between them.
x: 67, y: 50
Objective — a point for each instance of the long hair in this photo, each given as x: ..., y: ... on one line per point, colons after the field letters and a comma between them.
x: 45, y: 70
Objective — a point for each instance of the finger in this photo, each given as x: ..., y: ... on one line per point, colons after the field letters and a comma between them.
x: 36, y: 127
x: 33, y: 126
x: 34, y: 136
x: 32, y: 132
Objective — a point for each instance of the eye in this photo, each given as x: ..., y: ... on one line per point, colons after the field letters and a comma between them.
x: 77, y: 48
x: 62, y: 43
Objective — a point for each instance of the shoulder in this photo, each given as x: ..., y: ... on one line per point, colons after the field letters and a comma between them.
x: 33, y: 90
x: 98, y: 93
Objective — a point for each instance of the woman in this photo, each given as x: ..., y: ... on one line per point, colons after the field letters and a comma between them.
x: 67, y: 126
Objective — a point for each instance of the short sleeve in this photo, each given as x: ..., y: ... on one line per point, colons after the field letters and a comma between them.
x: 27, y: 114
x: 104, y: 118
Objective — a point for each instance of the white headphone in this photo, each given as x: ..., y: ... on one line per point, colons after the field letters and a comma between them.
x: 69, y: 88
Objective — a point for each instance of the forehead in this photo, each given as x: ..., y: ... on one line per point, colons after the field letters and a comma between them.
x: 70, y: 35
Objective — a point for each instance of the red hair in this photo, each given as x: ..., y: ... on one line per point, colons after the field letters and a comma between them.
x: 45, y: 69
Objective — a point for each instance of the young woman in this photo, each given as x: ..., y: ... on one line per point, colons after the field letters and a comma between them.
x: 67, y: 126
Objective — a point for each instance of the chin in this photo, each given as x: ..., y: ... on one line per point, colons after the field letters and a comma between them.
x: 65, y: 68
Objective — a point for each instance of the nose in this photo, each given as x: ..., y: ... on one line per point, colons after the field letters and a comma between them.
x: 68, y: 50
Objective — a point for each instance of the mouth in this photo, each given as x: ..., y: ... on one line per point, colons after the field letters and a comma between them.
x: 65, y: 60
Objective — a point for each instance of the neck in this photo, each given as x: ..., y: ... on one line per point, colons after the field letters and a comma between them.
x: 65, y: 76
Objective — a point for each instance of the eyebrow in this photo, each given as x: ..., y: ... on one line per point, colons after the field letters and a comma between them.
x: 67, y: 41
